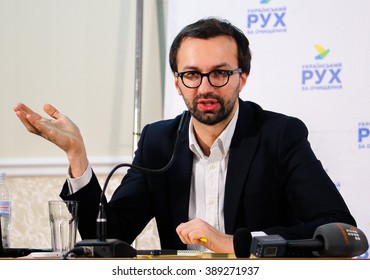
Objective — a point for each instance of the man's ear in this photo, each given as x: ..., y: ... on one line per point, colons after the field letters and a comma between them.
x: 177, y: 80
x: 243, y: 80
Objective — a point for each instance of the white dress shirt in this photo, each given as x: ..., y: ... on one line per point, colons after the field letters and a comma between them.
x: 207, y: 190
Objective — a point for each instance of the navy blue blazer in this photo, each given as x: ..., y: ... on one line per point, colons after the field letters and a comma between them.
x: 274, y: 183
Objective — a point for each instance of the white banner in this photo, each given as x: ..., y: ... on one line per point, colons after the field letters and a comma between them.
x: 310, y: 60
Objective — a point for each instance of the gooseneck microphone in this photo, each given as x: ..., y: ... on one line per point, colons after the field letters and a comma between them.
x: 103, y: 247
x: 329, y: 240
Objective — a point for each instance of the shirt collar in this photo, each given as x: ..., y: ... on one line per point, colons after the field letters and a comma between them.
x: 222, y: 142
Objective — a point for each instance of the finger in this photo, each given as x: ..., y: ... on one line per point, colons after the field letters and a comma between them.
x: 20, y: 107
x: 22, y: 111
x: 51, y: 111
x: 195, y: 236
x: 25, y: 122
x: 180, y: 227
x: 189, y: 233
x: 182, y: 231
x: 33, y: 122
x: 183, y: 240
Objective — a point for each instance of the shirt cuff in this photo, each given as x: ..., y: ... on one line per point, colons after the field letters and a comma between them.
x: 76, y: 184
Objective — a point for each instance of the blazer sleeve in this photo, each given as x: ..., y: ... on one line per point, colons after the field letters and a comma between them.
x: 312, y: 196
x: 127, y: 212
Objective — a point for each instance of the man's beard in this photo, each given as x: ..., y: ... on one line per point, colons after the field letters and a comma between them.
x: 209, y: 117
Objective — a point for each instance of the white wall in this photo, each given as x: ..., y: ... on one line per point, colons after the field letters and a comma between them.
x: 78, y: 55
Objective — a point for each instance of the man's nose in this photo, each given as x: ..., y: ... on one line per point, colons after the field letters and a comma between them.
x: 205, y: 85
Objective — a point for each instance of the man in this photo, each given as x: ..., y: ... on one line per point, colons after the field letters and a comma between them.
x: 237, y: 166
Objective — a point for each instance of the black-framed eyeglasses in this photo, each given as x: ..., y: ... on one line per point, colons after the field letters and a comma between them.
x: 217, y: 78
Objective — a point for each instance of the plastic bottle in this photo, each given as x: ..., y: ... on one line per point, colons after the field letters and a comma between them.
x: 5, y: 211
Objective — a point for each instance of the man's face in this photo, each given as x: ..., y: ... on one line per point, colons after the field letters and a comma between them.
x: 208, y: 104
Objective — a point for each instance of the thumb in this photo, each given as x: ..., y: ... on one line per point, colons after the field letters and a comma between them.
x: 51, y: 111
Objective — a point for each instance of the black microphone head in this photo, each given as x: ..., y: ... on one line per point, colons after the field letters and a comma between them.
x: 341, y: 240
x: 242, y: 243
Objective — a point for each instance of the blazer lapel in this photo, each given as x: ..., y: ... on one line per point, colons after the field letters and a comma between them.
x: 242, y: 149
x: 180, y: 179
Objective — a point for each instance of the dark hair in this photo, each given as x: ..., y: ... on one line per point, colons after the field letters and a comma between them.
x: 209, y: 28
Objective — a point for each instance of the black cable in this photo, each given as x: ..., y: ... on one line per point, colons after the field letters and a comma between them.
x: 101, y: 221
x: 148, y: 170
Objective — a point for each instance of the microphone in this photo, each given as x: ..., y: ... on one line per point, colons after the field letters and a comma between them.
x: 102, y: 247
x: 242, y: 242
x: 329, y: 240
